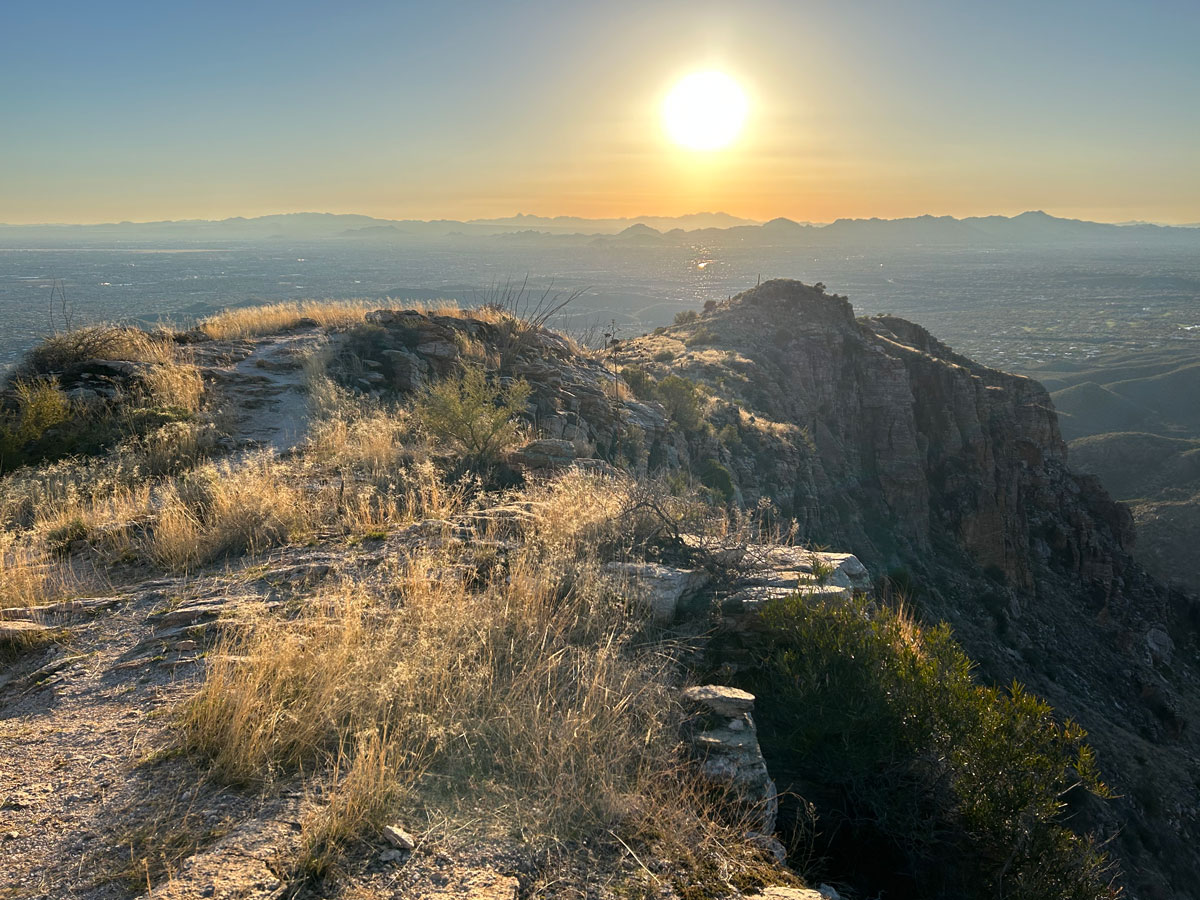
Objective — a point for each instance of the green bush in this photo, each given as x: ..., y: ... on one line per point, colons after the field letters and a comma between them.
x: 686, y: 316
x: 475, y: 415
x: 639, y: 381
x: 951, y: 788
x: 717, y: 479
x: 682, y: 401
x: 40, y: 406
x: 701, y: 337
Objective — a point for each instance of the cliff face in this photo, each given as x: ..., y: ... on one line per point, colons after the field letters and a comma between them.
x: 879, y: 439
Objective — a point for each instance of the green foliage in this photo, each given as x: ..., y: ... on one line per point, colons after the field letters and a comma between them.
x: 474, y: 414
x: 685, y: 317
x: 639, y: 381
x: 701, y: 337
x: 717, y: 479
x: 958, y: 787
x: 664, y: 356
x: 40, y: 406
x: 731, y: 438
x: 682, y: 401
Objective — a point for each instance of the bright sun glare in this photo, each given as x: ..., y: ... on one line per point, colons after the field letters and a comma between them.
x: 704, y: 111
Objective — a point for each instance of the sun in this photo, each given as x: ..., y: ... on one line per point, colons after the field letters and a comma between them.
x: 704, y: 111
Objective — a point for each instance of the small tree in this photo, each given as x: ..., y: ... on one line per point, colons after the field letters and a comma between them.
x: 475, y: 414
x: 681, y: 400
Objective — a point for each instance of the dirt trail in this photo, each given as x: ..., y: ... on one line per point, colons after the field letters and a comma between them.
x: 87, y: 776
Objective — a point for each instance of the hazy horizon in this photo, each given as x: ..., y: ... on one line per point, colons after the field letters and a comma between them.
x: 524, y: 213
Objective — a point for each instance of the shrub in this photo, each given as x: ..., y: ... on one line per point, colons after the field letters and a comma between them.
x: 686, y: 316
x: 65, y: 349
x: 682, y: 401
x: 953, y: 789
x: 701, y: 337
x: 639, y: 382
x: 664, y: 356
x: 717, y: 479
x: 40, y: 405
x: 475, y: 415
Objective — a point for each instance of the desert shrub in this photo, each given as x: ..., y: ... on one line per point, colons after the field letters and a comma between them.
x: 66, y: 349
x: 701, y: 337
x: 686, y: 316
x: 42, y: 424
x: 682, y: 401
x: 475, y: 415
x: 717, y: 479
x: 664, y: 356
x: 639, y: 381
x: 953, y: 789
x: 40, y: 406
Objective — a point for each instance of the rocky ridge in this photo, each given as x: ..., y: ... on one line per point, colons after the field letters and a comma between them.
x: 869, y: 434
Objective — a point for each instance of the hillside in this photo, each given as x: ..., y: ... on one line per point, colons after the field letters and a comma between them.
x: 1132, y: 420
x: 324, y: 569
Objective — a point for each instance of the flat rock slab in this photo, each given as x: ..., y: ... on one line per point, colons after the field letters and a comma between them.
x: 662, y: 587
x: 82, y: 606
x: 721, y: 700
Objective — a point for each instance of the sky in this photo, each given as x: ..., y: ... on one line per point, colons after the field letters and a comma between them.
x: 150, y: 110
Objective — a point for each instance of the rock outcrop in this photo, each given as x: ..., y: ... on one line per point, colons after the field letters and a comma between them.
x: 726, y: 742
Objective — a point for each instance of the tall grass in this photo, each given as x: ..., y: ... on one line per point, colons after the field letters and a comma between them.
x: 519, y: 676
x: 64, y: 349
x: 253, y: 321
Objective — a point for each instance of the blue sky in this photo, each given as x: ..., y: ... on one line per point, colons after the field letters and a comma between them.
x: 130, y: 110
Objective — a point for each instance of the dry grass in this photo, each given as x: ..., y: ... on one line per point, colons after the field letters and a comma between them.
x: 31, y: 575
x: 224, y: 509
x: 64, y: 349
x: 175, y: 384
x: 253, y: 321
x: 506, y: 677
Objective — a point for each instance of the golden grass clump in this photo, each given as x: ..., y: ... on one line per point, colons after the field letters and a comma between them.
x: 515, y: 676
x: 64, y: 349
x: 252, y: 321
x: 226, y: 508
x: 175, y: 384
x: 30, y: 575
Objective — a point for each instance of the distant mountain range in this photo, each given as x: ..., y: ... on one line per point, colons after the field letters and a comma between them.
x: 1027, y: 228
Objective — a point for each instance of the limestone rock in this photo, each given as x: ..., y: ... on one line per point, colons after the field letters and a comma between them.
x: 399, y: 838
x: 726, y: 742
x: 662, y: 587
x: 546, y: 453
x: 729, y: 702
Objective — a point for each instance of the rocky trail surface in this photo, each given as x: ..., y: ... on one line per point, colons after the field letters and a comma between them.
x: 260, y: 386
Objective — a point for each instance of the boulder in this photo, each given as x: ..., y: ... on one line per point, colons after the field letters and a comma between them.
x: 662, y: 587
x: 546, y: 453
